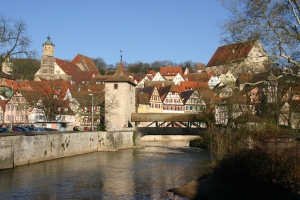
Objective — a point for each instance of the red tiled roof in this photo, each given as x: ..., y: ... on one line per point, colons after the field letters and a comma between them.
x: 231, y: 53
x: 87, y: 62
x: 47, y: 87
x: 151, y: 72
x: 177, y: 88
x: 171, y: 71
x: 85, y: 76
x: 68, y: 67
x: 194, y: 85
x: 212, y: 73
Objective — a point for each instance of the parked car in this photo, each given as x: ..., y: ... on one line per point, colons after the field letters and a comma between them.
x: 3, y: 130
x: 49, y: 129
x: 16, y: 129
x: 39, y: 129
x: 23, y: 128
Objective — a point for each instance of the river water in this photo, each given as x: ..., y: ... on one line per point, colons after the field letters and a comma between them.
x: 126, y: 174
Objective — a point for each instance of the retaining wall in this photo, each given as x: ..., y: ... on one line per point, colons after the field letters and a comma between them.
x: 26, y: 149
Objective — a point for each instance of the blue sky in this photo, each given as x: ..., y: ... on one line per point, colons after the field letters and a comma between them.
x: 145, y: 30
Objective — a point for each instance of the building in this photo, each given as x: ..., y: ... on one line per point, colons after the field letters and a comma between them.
x: 243, y: 57
x: 46, y: 70
x: 120, y: 93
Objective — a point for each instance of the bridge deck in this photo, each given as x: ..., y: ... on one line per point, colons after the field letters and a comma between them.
x: 166, y: 117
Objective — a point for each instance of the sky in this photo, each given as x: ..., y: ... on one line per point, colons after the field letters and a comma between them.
x: 144, y: 30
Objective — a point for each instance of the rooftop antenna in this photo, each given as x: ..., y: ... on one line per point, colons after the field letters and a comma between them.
x: 121, y: 55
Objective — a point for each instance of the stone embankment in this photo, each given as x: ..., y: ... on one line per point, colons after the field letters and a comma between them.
x: 16, y: 150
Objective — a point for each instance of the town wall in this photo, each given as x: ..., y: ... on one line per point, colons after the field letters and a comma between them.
x: 32, y: 148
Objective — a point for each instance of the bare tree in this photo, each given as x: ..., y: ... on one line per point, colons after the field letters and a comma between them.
x: 275, y: 23
x: 13, y: 39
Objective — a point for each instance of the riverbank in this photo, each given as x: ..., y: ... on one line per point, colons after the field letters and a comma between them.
x: 207, y: 187
x: 248, y: 174
x: 23, y: 149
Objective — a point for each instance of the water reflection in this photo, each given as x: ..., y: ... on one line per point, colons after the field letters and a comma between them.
x: 128, y: 174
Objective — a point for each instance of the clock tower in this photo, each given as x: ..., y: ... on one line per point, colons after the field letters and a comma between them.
x: 46, y: 70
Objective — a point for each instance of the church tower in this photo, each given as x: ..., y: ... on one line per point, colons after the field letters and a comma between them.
x: 120, y: 93
x: 46, y: 70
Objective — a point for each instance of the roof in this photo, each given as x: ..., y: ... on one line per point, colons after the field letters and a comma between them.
x: 120, y: 76
x: 31, y: 96
x: 201, y: 77
x: 144, y: 98
x: 68, y: 67
x: 200, y: 66
x: 231, y: 53
x: 85, y: 76
x: 151, y: 72
x: 48, y: 42
x: 149, y: 90
x: 163, y: 91
x: 171, y: 71
x: 159, y: 83
x: 46, y: 87
x: 87, y: 62
x: 186, y: 95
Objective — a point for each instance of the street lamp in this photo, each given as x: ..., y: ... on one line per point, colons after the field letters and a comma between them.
x: 92, y: 111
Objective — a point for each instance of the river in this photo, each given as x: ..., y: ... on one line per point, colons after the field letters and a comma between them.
x: 126, y: 174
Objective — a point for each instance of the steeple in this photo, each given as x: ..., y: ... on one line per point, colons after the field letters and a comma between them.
x: 120, y: 75
x: 48, y: 42
x: 48, y: 47
x: 121, y: 55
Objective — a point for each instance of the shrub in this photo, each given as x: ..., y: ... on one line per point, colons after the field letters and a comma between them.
x: 281, y: 168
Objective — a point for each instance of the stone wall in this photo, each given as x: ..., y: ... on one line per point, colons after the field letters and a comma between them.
x: 26, y: 149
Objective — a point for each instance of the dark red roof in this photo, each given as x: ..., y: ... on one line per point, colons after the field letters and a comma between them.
x: 87, y: 62
x: 68, y: 67
x: 85, y: 76
x: 231, y: 53
x: 171, y: 71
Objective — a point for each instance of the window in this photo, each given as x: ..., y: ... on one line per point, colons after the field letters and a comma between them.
x: 59, y: 108
x: 17, y: 117
x: 7, y: 117
x: 115, y: 86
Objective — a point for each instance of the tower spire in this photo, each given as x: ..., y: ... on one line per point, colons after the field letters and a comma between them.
x: 121, y: 55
